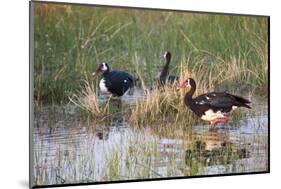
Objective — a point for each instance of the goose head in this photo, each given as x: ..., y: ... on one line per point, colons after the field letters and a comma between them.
x: 102, y: 67
x: 166, y: 56
x: 188, y: 83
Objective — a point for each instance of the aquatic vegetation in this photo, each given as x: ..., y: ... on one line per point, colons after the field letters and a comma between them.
x: 71, y: 42
x: 160, y: 105
x: 86, y: 99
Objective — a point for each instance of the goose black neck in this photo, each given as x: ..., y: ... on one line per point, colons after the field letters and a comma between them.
x: 189, y: 94
x: 165, y: 70
x: 106, y: 71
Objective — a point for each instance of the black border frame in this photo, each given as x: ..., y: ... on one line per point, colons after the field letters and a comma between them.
x: 31, y: 63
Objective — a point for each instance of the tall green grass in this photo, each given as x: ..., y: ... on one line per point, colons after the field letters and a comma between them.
x: 71, y: 40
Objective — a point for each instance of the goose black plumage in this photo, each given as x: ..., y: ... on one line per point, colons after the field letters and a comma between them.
x: 214, y: 106
x: 115, y: 82
x: 164, y: 75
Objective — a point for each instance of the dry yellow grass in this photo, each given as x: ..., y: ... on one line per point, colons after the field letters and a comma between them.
x: 163, y: 105
x: 87, y: 100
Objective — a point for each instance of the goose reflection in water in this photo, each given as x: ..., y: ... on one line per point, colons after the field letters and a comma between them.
x: 214, y: 148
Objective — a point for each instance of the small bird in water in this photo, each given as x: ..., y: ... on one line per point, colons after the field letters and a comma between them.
x: 213, y: 107
x: 114, y: 82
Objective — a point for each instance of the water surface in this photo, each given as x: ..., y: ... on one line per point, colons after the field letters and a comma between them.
x: 68, y: 149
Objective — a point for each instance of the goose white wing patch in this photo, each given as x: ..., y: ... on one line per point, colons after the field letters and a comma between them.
x: 200, y: 102
x: 211, y: 115
x: 102, y: 86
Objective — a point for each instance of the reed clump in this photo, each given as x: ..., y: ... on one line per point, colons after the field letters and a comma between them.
x: 86, y: 99
x: 162, y: 105
x: 165, y: 104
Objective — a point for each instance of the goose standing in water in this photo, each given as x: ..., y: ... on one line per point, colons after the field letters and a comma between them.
x: 213, y: 107
x: 114, y: 82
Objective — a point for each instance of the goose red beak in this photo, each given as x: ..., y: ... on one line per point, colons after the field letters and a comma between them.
x: 181, y: 85
x: 98, y: 70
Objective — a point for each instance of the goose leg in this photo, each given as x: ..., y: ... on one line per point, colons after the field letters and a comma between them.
x: 223, y: 120
x: 214, y: 123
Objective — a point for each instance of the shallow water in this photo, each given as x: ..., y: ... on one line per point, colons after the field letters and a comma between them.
x: 68, y: 149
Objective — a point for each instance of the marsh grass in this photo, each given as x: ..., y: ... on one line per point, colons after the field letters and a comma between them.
x: 86, y: 99
x: 166, y: 104
x: 161, y: 105
x: 71, y: 40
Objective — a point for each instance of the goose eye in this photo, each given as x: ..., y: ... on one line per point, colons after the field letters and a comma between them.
x: 103, y: 66
x: 187, y: 82
x: 99, y: 67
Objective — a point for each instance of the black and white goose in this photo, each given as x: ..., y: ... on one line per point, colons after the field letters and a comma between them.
x: 115, y: 82
x: 164, y: 75
x: 213, y: 107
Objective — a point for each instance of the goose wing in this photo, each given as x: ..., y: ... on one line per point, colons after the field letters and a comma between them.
x: 216, y: 100
x: 118, y: 82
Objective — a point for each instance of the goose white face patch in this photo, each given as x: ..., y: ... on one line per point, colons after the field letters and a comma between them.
x: 104, y: 67
x: 165, y: 54
x: 102, y: 86
x: 211, y: 115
